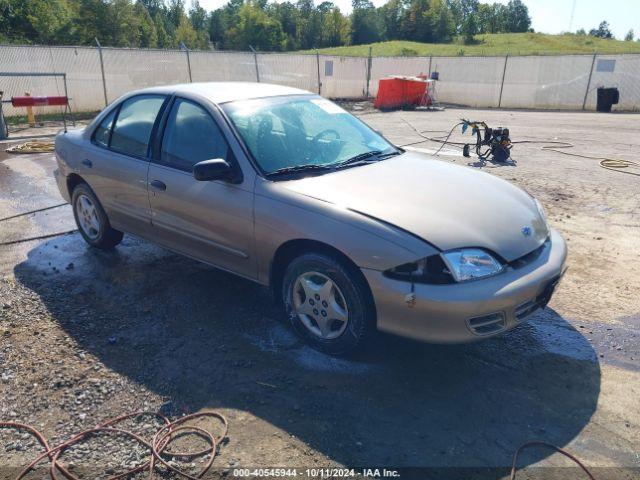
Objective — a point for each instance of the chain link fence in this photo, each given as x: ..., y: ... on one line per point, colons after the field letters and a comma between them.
x: 97, y: 76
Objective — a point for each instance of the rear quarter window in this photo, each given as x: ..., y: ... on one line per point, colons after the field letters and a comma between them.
x: 103, y: 132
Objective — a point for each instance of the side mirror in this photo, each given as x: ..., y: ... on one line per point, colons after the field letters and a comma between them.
x: 215, y: 169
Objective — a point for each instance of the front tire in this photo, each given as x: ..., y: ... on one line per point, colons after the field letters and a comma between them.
x: 92, y: 220
x: 328, y: 304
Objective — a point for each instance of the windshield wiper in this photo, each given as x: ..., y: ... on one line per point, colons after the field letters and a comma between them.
x: 390, y: 154
x: 300, y: 168
x: 363, y: 158
x: 359, y: 159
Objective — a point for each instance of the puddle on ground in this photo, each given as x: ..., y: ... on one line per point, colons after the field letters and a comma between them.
x: 615, y: 344
x: 561, y: 340
x: 314, y: 360
x: 276, y: 339
x: 280, y: 339
x: 610, y: 343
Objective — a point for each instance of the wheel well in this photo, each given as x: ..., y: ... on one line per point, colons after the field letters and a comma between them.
x: 73, y: 181
x: 294, y: 248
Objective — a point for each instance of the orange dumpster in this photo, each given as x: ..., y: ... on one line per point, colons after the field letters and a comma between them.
x: 398, y: 92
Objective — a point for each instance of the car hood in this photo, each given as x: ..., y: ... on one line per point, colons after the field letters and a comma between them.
x: 447, y: 205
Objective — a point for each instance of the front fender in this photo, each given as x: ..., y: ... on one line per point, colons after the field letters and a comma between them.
x: 282, y: 215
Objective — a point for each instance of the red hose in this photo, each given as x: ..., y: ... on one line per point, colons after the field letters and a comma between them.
x: 157, y: 447
x: 548, y: 445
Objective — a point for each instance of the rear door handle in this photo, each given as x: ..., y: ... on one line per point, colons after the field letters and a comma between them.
x: 87, y: 163
x: 158, y: 185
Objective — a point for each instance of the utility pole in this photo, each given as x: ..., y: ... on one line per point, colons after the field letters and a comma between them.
x: 586, y: 93
x: 184, y: 47
x: 104, y: 81
x: 504, y: 73
x: 368, y: 71
x: 318, y: 65
x: 255, y: 61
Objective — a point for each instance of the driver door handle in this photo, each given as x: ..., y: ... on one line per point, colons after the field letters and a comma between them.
x: 158, y: 185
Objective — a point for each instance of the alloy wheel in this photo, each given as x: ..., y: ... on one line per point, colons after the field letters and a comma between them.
x: 320, y: 305
x: 88, y: 217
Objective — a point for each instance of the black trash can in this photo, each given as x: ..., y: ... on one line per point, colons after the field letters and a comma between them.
x: 606, y: 98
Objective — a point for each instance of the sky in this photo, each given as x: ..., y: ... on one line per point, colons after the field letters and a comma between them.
x: 549, y: 16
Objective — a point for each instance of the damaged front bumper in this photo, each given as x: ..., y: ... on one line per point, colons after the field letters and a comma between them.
x: 463, y: 312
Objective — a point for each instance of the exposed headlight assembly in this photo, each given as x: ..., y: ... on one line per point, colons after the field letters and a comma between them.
x: 448, y: 267
x: 469, y: 263
x: 431, y: 270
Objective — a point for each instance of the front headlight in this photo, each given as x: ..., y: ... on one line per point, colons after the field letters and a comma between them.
x: 469, y: 263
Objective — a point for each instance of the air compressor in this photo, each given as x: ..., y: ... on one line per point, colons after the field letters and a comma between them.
x: 496, y: 140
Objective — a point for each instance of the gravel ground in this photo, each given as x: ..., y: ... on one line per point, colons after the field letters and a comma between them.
x: 89, y: 335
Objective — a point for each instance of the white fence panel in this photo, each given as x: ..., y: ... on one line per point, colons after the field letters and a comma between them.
x: 343, y: 77
x: 299, y: 71
x: 81, y: 64
x: 472, y: 81
x: 546, y: 82
x: 127, y: 70
x: 558, y: 82
x: 222, y: 67
x: 625, y: 75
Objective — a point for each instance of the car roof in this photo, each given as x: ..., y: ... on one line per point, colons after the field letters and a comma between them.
x: 222, y: 92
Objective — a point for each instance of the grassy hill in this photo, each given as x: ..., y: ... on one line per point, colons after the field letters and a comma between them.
x: 493, y: 44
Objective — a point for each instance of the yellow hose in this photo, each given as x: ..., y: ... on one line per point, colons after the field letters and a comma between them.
x: 36, y: 146
x: 615, y: 164
x: 618, y: 164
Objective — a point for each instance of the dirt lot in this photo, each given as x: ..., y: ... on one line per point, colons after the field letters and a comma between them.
x: 88, y: 335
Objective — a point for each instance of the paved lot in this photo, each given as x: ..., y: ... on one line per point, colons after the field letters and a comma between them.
x: 88, y: 335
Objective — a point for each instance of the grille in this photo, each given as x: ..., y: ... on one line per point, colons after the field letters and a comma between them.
x: 487, y: 324
x: 529, y: 257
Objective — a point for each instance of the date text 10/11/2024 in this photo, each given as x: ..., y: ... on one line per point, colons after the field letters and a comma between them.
x: 316, y: 473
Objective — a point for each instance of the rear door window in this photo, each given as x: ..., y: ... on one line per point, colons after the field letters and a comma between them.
x: 132, y: 130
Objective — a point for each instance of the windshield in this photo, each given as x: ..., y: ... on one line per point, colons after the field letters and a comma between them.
x: 299, y: 132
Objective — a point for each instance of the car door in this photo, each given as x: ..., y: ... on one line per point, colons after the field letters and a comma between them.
x: 209, y: 220
x: 117, y: 161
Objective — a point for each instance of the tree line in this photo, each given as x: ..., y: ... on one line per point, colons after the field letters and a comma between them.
x: 265, y: 26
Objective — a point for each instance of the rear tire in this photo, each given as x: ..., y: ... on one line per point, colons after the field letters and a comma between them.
x: 92, y: 220
x: 328, y: 304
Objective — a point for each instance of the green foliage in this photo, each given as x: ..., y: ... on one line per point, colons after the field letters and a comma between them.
x: 256, y: 29
x: 366, y: 24
x: 495, y: 44
x: 148, y: 32
x: 439, y: 21
x: 602, y: 31
x: 408, y: 52
x: 336, y: 29
x: 517, y: 17
x: 120, y: 23
x: 276, y: 25
x: 48, y: 19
